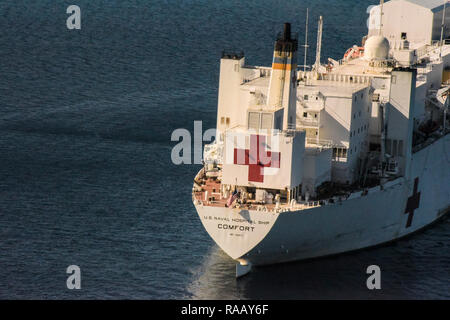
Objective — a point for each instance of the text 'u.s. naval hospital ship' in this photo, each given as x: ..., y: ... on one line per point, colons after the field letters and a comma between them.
x: 346, y: 155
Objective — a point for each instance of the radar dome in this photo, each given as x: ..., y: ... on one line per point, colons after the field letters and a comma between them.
x: 376, y: 48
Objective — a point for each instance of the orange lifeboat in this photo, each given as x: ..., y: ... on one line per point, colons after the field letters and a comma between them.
x: 354, y: 53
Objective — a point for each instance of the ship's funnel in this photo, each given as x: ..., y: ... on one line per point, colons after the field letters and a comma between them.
x: 287, y: 31
x: 283, y: 84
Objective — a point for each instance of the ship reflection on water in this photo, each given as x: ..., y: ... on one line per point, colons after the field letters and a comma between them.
x: 412, y: 268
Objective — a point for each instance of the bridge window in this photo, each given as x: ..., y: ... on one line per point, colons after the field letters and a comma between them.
x: 339, y: 153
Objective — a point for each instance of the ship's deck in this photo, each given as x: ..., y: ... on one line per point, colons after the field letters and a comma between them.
x: 210, y: 193
x: 210, y: 196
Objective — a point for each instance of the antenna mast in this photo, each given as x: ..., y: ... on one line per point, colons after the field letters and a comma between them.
x: 306, y: 40
x: 442, y: 28
x: 319, y: 44
x: 381, y: 17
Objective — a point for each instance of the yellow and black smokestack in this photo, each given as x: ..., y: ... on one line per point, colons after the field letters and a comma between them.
x: 283, y: 82
x: 285, y: 53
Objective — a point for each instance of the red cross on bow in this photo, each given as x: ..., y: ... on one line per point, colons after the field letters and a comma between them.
x: 413, y: 203
x: 257, y: 158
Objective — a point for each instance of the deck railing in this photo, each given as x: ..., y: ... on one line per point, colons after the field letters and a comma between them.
x: 308, y: 122
x: 319, y: 142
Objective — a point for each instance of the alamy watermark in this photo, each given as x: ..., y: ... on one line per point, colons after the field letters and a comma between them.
x: 74, y: 280
x: 374, y: 280
x: 74, y: 20
x: 182, y: 152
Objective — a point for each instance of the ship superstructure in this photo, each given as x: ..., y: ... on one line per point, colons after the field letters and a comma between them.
x: 347, y: 155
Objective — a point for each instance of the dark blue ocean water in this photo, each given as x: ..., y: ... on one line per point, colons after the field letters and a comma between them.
x: 86, y: 176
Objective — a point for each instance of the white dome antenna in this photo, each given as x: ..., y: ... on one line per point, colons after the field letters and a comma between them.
x: 376, y: 48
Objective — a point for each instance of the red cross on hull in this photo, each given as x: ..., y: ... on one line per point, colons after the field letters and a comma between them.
x: 413, y: 203
x: 257, y: 158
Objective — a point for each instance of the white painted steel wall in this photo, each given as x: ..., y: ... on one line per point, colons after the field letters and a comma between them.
x: 400, y: 113
x: 231, y: 77
x: 421, y: 24
x: 317, y: 169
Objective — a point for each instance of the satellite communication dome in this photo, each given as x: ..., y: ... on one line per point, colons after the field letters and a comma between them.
x: 376, y: 48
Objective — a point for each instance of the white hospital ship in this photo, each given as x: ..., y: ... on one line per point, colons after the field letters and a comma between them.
x: 342, y: 156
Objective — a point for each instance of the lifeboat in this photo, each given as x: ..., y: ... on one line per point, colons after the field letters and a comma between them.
x: 354, y: 52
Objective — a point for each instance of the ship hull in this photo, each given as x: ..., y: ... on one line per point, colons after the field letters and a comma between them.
x: 401, y: 207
